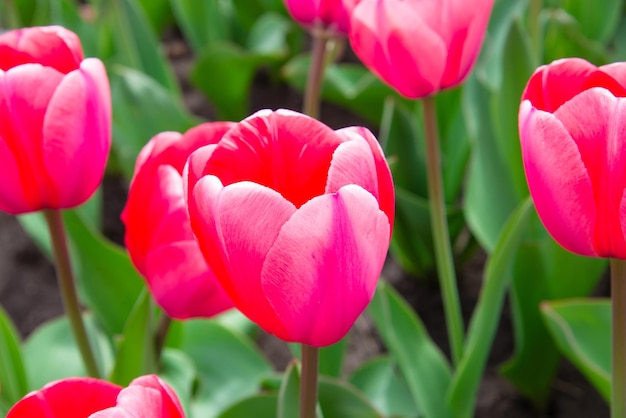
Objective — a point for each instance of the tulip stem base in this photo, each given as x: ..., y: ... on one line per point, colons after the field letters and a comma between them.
x: 308, y: 381
x: 67, y: 286
x: 618, y: 295
x: 441, y: 236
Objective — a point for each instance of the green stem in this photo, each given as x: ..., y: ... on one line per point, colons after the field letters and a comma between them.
x: 161, y: 334
x: 308, y: 381
x: 311, y: 105
x: 441, y: 237
x: 618, y: 295
x: 534, y: 26
x: 68, y: 288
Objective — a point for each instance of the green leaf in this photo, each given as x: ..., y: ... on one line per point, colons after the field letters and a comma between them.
x: 424, y: 367
x: 582, y: 330
x: 268, y: 35
x: 230, y: 367
x: 50, y: 352
x: 289, y: 394
x: 505, y: 103
x: 202, y: 22
x: 136, y: 355
x: 338, y: 399
x: 178, y: 370
x: 12, y: 374
x: 136, y: 44
x: 381, y: 382
x: 158, y: 13
x: 498, y: 273
x: 490, y: 195
x: 142, y: 108
x: 598, y: 20
x: 105, y: 276
x: 349, y: 85
x: 543, y: 271
x: 259, y: 406
x: 224, y: 73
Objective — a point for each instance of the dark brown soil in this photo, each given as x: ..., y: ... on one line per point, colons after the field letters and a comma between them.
x: 28, y: 290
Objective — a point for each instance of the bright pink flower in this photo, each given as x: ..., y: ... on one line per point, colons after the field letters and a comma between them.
x: 85, y: 397
x: 572, y: 124
x: 158, y: 234
x: 295, y: 220
x: 55, y: 120
x: 419, y: 47
x: 331, y: 14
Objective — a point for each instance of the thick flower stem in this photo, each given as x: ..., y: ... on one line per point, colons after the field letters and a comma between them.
x: 68, y: 288
x: 618, y: 295
x: 312, y: 93
x: 308, y: 381
x: 439, y: 224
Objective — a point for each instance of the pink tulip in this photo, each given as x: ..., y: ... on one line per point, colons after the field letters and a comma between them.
x: 85, y: 397
x: 419, y: 47
x: 572, y: 124
x: 295, y: 219
x: 158, y: 233
x: 55, y: 120
x: 330, y: 14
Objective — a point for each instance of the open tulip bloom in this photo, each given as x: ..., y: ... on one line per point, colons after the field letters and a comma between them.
x: 295, y: 220
x: 572, y: 124
x: 84, y: 397
x: 158, y: 233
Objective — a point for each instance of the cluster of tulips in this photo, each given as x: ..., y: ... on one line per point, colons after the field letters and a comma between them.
x: 278, y: 215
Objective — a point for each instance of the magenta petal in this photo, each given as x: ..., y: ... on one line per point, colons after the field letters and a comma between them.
x: 68, y: 398
x: 558, y: 180
x: 235, y: 226
x: 77, y: 133
x: 182, y: 283
x: 322, y: 271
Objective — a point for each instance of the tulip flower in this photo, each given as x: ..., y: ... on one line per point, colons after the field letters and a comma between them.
x: 572, y: 124
x: 330, y: 14
x: 419, y: 47
x: 83, y: 397
x: 158, y: 233
x: 295, y: 220
x: 55, y: 117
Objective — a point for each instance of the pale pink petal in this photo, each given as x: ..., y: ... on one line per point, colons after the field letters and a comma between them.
x: 68, y: 398
x: 77, y: 134
x: 22, y: 111
x: 558, y: 180
x: 617, y: 70
x: 353, y: 163
x: 182, y: 283
x: 595, y: 121
x: 385, y: 190
x: 283, y: 150
x: 322, y: 271
x: 235, y: 226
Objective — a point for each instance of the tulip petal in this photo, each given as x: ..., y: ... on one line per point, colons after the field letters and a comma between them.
x: 236, y: 226
x: 322, y: 271
x: 145, y: 397
x: 77, y: 133
x: 182, y: 283
x: 26, y: 184
x: 553, y: 85
x: 385, y: 189
x: 50, y: 46
x: 596, y: 121
x: 558, y: 180
x: 352, y: 163
x: 283, y: 150
x: 68, y: 398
